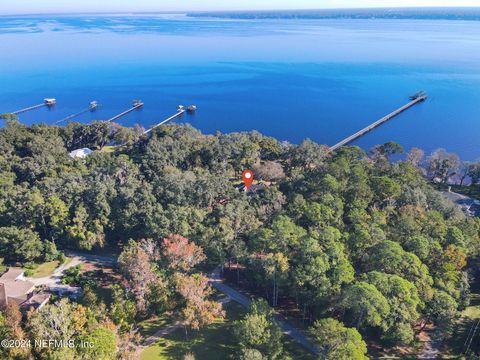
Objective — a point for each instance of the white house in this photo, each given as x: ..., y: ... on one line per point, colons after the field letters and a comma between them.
x: 80, y: 153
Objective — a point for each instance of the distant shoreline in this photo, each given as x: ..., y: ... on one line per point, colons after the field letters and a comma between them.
x: 418, y: 13
x: 406, y: 13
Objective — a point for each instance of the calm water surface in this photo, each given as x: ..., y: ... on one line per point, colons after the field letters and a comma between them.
x: 292, y: 79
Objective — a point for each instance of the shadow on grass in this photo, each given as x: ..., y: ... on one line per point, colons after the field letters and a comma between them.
x: 213, y: 342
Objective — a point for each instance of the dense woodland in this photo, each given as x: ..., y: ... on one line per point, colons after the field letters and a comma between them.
x: 360, y: 243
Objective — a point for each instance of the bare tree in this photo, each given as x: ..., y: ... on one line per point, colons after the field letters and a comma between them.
x: 415, y: 156
x: 269, y: 171
x: 442, y: 165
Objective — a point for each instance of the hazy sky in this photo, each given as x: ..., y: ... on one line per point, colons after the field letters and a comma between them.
x: 48, y: 6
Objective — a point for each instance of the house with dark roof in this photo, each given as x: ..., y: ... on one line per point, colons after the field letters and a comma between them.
x: 254, y: 188
x: 15, y: 288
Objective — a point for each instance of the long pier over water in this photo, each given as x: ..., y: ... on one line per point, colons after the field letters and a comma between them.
x: 46, y: 102
x: 180, y: 111
x: 137, y: 104
x: 91, y: 108
x: 415, y: 99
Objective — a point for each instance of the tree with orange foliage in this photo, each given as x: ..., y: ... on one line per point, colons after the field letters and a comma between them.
x: 181, y: 254
x: 455, y: 257
x: 136, y: 263
x: 13, y: 321
x: 198, y: 310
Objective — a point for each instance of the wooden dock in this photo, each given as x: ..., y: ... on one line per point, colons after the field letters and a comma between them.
x: 178, y: 114
x: 92, y: 107
x: 415, y: 99
x: 180, y: 111
x: 49, y: 102
x: 137, y: 104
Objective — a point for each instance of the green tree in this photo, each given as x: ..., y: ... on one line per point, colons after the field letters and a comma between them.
x: 285, y: 233
x: 258, y: 331
x: 385, y: 188
x: 250, y: 354
x: 104, y: 344
x: 402, y: 297
x: 338, y: 342
x: 275, y: 266
x: 385, y: 151
x: 442, y: 309
x: 307, y: 155
x: 4, y: 334
x: 474, y: 172
x: 83, y: 233
x: 389, y: 257
x: 365, y: 305
x: 63, y: 321
x: 320, y: 272
x: 56, y: 212
x: 20, y: 245
x: 123, y: 310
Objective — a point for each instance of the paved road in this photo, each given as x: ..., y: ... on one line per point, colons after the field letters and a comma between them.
x: 215, y: 280
x: 468, y: 204
x: 96, y: 259
x: 53, y: 281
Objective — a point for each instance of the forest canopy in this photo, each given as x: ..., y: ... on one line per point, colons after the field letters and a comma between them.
x: 363, y: 245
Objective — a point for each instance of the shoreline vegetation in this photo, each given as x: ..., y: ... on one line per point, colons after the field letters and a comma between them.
x: 411, y: 13
x: 358, y: 248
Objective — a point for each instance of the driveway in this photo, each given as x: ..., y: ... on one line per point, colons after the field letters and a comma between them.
x: 53, y: 282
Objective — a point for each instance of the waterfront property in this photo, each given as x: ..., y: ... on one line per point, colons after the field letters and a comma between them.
x: 325, y: 91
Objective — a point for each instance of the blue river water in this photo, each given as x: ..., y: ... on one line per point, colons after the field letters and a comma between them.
x: 291, y: 79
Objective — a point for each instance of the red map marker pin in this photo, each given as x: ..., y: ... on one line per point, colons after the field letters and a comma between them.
x: 247, y: 178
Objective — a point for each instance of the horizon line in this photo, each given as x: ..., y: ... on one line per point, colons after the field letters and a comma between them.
x: 235, y: 10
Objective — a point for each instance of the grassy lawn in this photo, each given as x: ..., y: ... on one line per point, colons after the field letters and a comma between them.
x: 47, y: 268
x: 150, y: 326
x: 213, y: 342
x: 108, y: 149
x: 455, y: 346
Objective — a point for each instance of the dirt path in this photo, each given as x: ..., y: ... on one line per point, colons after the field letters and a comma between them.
x: 152, y: 339
x: 430, y: 350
